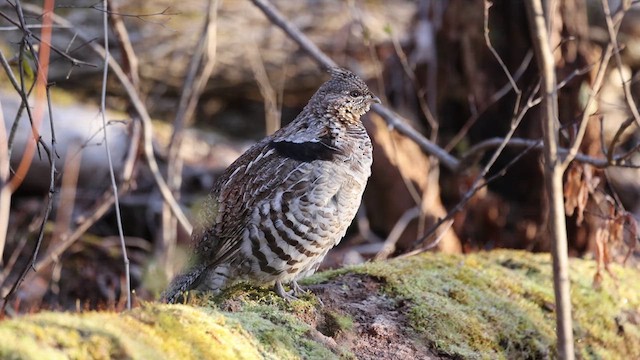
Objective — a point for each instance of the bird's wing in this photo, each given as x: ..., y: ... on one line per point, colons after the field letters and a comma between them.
x: 218, y: 234
x: 254, y: 177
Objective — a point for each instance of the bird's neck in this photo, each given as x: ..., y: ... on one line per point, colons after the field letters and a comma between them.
x: 314, y: 123
x: 334, y: 116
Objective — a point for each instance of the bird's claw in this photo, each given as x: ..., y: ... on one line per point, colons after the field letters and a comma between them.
x: 297, y: 290
x: 287, y: 295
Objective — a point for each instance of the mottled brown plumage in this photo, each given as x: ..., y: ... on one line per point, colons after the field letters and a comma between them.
x: 277, y: 210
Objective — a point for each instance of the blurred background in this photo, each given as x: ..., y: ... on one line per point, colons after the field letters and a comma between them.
x: 428, y: 60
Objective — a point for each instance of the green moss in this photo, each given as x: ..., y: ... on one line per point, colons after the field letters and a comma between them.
x: 499, y: 305
x: 150, y: 332
x: 495, y: 305
x: 275, y: 322
x: 342, y: 322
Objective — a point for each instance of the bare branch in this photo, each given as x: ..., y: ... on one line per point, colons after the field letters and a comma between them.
x: 321, y: 58
x: 52, y: 180
x: 612, y: 27
x: 276, y: 18
x: 137, y: 16
x: 114, y: 184
x: 426, y: 111
x: 616, y: 138
x: 129, y: 58
x: 494, y: 98
x: 396, y: 122
x: 447, y: 225
x: 5, y: 191
x: 480, y: 182
x: 147, y: 127
x: 584, y: 121
x: 553, y: 171
x: 25, y: 28
x: 514, y: 86
x: 198, y: 73
x: 41, y: 60
x: 389, y: 245
x: 269, y: 96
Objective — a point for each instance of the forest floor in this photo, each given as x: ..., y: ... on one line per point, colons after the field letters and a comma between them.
x: 496, y: 305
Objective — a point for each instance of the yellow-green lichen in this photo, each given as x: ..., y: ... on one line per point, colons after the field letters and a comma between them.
x: 151, y: 332
x: 496, y: 305
x: 276, y: 323
x: 499, y: 305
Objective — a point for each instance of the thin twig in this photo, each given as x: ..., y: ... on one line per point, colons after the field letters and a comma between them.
x: 68, y: 191
x: 137, y: 16
x: 30, y: 26
x: 269, y: 96
x: 389, y: 245
x: 276, y: 18
x: 89, y: 218
x: 492, y: 100
x: 426, y: 111
x: 147, y: 127
x: 611, y: 151
x: 42, y: 65
x: 20, y: 89
x: 5, y: 191
x: 129, y: 58
x: 613, y: 40
x: 480, y: 180
x: 47, y: 27
x: 584, y: 121
x: 478, y: 149
x: 487, y: 40
x: 447, y: 225
x: 198, y: 73
x: 395, y: 122
x: 41, y: 59
x: 114, y: 185
x: 505, y: 70
x: 52, y: 181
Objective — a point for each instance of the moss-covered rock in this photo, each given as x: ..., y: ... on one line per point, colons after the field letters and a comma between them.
x: 481, y: 306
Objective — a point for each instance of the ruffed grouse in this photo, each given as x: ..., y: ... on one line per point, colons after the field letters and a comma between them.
x: 276, y: 211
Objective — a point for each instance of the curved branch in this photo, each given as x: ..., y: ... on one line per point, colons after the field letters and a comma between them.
x: 326, y: 62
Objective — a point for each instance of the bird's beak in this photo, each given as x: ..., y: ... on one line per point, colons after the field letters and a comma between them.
x: 374, y: 99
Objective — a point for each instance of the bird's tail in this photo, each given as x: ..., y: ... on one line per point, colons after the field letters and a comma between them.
x: 182, y: 283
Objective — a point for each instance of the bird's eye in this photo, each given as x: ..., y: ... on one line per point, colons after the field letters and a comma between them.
x: 355, y: 93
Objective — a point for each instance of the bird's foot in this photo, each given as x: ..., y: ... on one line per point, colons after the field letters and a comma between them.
x: 297, y: 290
x: 287, y: 295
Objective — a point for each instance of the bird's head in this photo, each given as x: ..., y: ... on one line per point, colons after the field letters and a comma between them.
x: 344, y: 96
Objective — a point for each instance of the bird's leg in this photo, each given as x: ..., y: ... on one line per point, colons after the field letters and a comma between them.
x: 282, y: 293
x: 297, y: 290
